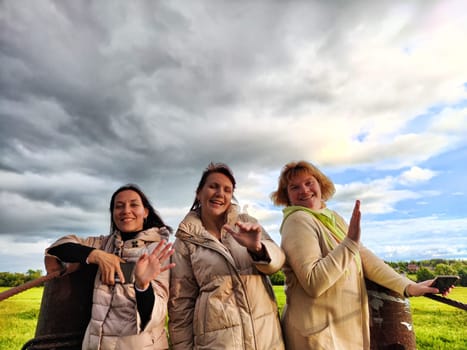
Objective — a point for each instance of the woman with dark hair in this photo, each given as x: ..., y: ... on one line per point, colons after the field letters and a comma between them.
x: 220, y: 293
x: 132, y: 281
x: 151, y: 220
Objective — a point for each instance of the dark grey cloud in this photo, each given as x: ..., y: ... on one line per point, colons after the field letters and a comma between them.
x: 95, y: 94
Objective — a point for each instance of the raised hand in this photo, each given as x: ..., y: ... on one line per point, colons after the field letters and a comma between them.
x: 247, y: 235
x: 109, y: 265
x: 354, y: 225
x: 148, y: 267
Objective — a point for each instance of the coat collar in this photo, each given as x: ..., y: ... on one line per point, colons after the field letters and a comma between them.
x: 191, y: 228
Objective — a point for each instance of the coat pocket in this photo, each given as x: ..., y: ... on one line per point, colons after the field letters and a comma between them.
x: 319, y: 338
x: 213, y: 313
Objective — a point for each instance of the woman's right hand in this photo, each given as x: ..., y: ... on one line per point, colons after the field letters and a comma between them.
x: 109, y: 265
x: 354, y: 225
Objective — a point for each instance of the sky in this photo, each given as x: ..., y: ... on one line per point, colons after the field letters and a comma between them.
x: 97, y: 94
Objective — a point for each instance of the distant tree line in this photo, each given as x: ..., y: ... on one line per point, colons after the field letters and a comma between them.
x: 428, y: 269
x: 9, y: 279
x: 416, y: 270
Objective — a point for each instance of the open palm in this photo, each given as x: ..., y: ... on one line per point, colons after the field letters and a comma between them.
x: 149, y: 266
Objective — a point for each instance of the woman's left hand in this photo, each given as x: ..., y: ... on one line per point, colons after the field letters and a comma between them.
x: 424, y: 287
x: 247, y: 235
x: 148, y: 267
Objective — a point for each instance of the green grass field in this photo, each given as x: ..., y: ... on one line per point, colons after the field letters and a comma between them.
x: 440, y: 326
x: 437, y: 326
x: 19, y: 318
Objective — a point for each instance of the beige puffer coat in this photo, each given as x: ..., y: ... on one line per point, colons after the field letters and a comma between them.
x: 115, y: 322
x: 220, y: 298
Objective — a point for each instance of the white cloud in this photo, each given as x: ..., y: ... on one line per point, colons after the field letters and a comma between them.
x: 418, y: 238
x: 451, y: 121
x: 416, y: 174
x: 379, y: 196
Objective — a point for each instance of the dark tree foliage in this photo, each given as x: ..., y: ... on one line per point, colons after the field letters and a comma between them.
x: 9, y: 279
x: 278, y: 279
x: 424, y: 274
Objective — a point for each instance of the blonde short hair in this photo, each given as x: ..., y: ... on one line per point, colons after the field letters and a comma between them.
x: 292, y: 169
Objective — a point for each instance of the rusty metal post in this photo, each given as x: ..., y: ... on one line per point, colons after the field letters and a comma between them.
x: 391, y: 326
x: 65, y: 311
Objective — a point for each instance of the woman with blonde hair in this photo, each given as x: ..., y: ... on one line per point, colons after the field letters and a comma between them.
x: 326, y: 266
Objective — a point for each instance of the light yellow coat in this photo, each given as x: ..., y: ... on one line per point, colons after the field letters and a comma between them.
x: 327, y: 302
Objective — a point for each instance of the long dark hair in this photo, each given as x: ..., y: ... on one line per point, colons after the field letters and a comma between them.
x: 212, y: 168
x: 153, y: 219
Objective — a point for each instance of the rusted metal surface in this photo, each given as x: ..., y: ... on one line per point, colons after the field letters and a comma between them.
x: 445, y: 300
x: 37, y: 282
x: 391, y: 325
x: 65, y: 311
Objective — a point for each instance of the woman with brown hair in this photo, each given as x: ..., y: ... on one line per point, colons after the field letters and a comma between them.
x: 131, y: 287
x: 220, y: 293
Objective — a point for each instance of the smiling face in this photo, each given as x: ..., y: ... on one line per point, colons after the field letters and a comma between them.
x: 129, y: 212
x: 215, y: 196
x: 304, y: 190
